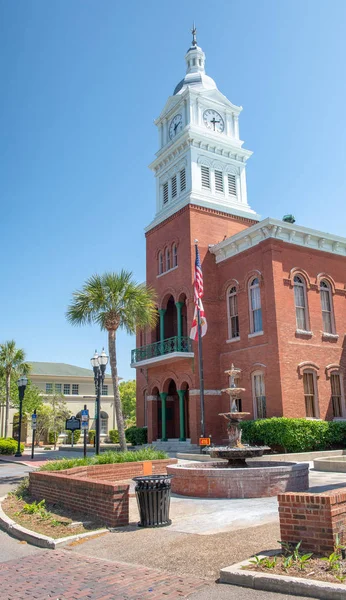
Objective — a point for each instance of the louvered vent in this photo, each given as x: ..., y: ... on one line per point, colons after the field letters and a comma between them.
x: 219, y: 181
x: 174, y: 186
x: 232, y: 188
x: 165, y: 192
x: 182, y: 180
x: 205, y: 177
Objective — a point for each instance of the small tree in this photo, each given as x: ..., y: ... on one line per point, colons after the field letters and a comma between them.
x: 59, y: 414
x: 12, y: 361
x: 127, y: 391
x: 44, y: 421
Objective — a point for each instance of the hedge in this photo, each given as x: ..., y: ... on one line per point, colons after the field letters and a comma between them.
x: 91, y: 435
x: 76, y: 436
x: 105, y: 458
x: 295, y: 435
x: 9, y: 446
x: 114, y: 436
x: 136, y: 435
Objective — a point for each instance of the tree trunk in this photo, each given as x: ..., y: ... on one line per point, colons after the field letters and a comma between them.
x: 8, y: 385
x: 117, y: 402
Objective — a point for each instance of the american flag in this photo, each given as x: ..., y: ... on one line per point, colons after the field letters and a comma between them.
x: 197, y: 295
x: 198, y: 283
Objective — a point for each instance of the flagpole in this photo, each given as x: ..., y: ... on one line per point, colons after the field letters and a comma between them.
x: 201, y: 375
x: 200, y: 361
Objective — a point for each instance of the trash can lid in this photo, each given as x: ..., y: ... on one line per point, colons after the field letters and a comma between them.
x: 153, y: 478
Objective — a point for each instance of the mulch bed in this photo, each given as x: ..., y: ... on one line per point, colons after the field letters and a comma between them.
x: 57, y: 524
x: 314, y: 568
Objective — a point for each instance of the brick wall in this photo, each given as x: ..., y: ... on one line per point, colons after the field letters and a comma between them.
x: 93, y: 490
x: 314, y: 519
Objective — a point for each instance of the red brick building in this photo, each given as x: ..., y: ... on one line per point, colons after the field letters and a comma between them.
x: 274, y: 292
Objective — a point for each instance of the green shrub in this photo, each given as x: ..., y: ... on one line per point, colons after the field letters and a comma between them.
x: 52, y: 436
x: 105, y: 458
x: 114, y: 436
x: 91, y: 435
x: 76, y: 436
x: 295, y: 435
x: 9, y: 446
x: 136, y: 435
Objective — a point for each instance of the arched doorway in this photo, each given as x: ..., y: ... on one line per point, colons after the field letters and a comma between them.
x: 172, y: 411
x: 156, y: 415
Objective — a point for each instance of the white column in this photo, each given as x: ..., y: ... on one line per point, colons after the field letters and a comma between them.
x: 236, y: 126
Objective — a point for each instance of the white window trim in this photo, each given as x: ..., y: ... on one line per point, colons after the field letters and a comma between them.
x: 228, y: 312
x: 231, y: 340
x: 332, y: 313
x: 342, y: 390
x: 252, y: 332
x: 165, y: 272
x: 254, y: 403
x: 316, y: 398
x: 307, y: 315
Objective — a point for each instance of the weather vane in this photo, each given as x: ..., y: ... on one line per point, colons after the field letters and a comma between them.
x: 194, y: 31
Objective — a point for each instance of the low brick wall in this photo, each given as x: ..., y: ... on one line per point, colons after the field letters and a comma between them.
x: 258, y: 480
x: 314, y: 519
x: 97, y: 490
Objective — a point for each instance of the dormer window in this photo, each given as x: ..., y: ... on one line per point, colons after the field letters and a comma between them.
x: 205, y: 173
x: 165, y: 192
x: 174, y: 186
x: 219, y: 181
x: 232, y: 187
x: 182, y: 180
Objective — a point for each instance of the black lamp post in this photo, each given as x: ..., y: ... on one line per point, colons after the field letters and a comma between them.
x: 22, y: 383
x: 98, y: 363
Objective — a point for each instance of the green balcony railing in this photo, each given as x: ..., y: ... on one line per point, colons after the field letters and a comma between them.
x: 173, y: 344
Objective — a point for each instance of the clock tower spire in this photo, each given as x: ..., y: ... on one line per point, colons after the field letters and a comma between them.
x: 201, y: 159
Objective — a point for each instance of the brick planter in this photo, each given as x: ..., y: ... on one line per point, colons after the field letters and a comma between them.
x: 264, y: 479
x: 101, y: 491
x: 314, y: 519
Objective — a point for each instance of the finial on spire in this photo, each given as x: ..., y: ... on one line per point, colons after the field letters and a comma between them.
x: 194, y: 31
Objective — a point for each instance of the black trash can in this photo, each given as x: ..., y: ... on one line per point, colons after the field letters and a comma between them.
x: 153, y: 493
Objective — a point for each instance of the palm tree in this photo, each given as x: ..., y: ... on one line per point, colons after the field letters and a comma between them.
x: 114, y: 301
x: 12, y: 361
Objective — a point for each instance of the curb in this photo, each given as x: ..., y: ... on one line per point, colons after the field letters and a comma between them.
x: 17, y: 462
x: 38, y: 539
x: 284, y: 584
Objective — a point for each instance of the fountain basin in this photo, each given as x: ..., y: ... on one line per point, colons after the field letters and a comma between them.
x: 237, y: 455
x: 258, y: 480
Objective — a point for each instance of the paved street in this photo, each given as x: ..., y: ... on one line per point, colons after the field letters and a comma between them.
x: 87, y: 570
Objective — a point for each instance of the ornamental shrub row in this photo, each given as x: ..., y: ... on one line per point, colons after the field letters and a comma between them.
x: 104, y: 458
x: 113, y: 435
x: 136, y: 435
x: 9, y: 446
x: 295, y: 435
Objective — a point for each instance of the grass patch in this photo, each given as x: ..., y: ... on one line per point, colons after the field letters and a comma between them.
x: 105, y: 458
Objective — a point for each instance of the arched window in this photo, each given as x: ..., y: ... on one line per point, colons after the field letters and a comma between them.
x: 103, y: 422
x: 160, y: 263
x: 326, y: 303
x: 233, y: 320
x: 300, y: 303
x: 168, y: 259
x: 145, y: 400
x: 175, y: 255
x: 310, y: 394
x: 259, y: 395
x: 336, y: 394
x: 255, y: 306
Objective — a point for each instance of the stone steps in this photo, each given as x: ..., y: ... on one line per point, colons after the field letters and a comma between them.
x: 174, y: 445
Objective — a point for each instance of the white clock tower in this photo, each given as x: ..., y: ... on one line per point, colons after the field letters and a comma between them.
x: 201, y: 159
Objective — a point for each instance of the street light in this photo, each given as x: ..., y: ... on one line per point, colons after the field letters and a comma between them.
x: 22, y: 383
x: 98, y: 363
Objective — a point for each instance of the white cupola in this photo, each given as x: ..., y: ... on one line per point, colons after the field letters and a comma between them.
x: 201, y: 159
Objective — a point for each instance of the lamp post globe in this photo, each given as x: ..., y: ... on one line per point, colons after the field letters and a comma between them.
x: 21, y: 383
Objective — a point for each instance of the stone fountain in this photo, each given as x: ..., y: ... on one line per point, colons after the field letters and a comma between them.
x: 235, y: 452
x: 236, y: 478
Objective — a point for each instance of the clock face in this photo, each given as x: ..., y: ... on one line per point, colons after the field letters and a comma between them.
x: 175, y: 126
x: 213, y: 120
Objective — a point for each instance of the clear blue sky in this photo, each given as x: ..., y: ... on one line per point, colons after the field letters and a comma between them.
x: 82, y: 82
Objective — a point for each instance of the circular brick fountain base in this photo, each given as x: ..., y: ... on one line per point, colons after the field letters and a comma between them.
x: 258, y: 480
